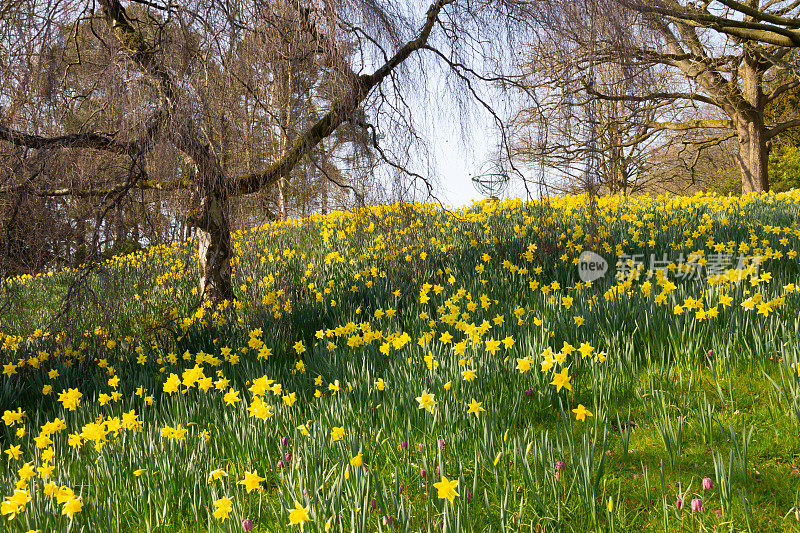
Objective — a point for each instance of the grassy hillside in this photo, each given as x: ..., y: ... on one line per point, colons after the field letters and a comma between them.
x: 406, y: 368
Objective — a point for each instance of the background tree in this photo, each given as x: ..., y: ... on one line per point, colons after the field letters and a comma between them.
x: 711, y: 62
x: 551, y: 128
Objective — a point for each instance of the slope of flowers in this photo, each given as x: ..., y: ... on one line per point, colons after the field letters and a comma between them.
x: 408, y: 368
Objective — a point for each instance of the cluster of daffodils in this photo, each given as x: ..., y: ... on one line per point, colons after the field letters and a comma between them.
x: 395, y: 343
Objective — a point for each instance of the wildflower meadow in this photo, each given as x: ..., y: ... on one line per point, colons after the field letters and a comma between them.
x: 413, y: 368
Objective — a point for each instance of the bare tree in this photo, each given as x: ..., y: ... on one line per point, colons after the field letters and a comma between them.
x: 550, y: 127
x: 722, y: 51
x: 170, y: 82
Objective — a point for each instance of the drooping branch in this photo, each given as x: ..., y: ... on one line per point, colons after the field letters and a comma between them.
x: 340, y: 111
x: 74, y: 140
x: 789, y: 39
x: 653, y: 56
x: 713, y: 141
x: 700, y: 146
x: 135, y: 42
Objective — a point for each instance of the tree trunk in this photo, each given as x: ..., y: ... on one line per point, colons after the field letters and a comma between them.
x: 214, y: 250
x: 159, y: 219
x: 285, y: 117
x: 209, y: 213
x: 136, y: 236
x: 281, y: 198
x: 80, y: 241
x: 211, y: 217
x: 122, y: 234
x: 753, y: 155
x: 323, y: 188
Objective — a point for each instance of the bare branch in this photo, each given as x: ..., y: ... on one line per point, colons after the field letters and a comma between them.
x: 788, y: 86
x: 743, y: 29
x: 783, y: 126
x: 724, y: 124
x: 656, y: 96
x: 75, y: 140
x: 760, y: 14
x: 339, y: 112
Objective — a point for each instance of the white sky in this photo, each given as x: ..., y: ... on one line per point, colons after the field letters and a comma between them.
x: 454, y: 164
x: 453, y: 159
x: 455, y: 167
